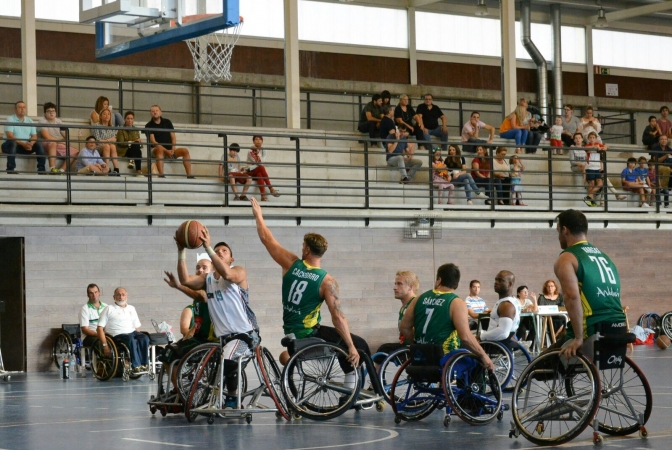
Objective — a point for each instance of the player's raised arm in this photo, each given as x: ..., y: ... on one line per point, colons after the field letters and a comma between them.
x: 222, y: 258
x: 175, y: 284
x: 280, y: 255
x: 331, y: 293
x: 195, y: 282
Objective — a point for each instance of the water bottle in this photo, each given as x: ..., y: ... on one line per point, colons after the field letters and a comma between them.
x: 65, y: 367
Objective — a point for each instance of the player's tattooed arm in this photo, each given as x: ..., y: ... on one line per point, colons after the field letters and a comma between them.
x: 334, y: 291
x: 331, y: 294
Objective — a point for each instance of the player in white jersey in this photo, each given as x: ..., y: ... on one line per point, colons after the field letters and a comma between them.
x: 505, y: 316
x: 228, y: 304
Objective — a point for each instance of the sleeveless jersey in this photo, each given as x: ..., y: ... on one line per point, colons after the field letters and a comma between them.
x: 402, y: 311
x: 433, y: 324
x: 200, y: 317
x: 494, y: 315
x: 599, y: 286
x: 229, y: 308
x: 301, y: 301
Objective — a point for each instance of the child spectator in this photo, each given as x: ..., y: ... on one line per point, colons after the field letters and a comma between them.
x: 651, y: 133
x: 632, y: 182
x: 257, y: 171
x: 89, y: 160
x: 517, y: 169
x: 237, y: 173
x: 556, y: 136
x: 643, y: 172
x: 593, y: 168
x: 441, y: 178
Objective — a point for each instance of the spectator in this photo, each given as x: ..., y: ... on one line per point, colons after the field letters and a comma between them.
x: 654, y: 182
x: 400, y: 154
x: 428, y: 116
x: 533, y: 134
x: 578, y: 158
x: 551, y: 296
x: 129, y: 144
x: 164, y: 142
x: 369, y: 120
x: 570, y: 125
x: 528, y: 304
x: 121, y: 321
x: 458, y: 167
x: 593, y: 168
x: 101, y: 104
x: 651, y: 133
x: 476, y: 305
x: 22, y: 139
x: 107, y: 139
x: 257, y: 171
x: 481, y: 172
x: 470, y: 132
x: 53, y: 139
x: 590, y: 124
x: 237, y: 173
x: 387, y: 125
x: 556, y: 136
x: 517, y: 169
x: 501, y: 171
x: 643, y: 173
x: 89, y: 160
x: 664, y: 123
x: 662, y: 154
x: 631, y: 181
x: 404, y: 113
x: 89, y: 314
x: 513, y: 128
x: 385, y: 95
x: 441, y: 178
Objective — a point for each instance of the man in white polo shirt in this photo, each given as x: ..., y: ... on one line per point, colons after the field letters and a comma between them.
x: 122, y: 323
x: 89, y: 315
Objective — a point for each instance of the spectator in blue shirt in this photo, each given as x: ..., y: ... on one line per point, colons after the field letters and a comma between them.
x: 630, y: 179
x: 643, y: 172
x: 89, y: 160
x: 22, y: 139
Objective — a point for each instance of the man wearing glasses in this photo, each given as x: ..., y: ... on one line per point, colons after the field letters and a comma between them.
x: 570, y: 125
x: 429, y: 115
x: 54, y: 139
x: 21, y: 139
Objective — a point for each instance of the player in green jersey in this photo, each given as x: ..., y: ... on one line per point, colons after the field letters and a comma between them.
x: 304, y: 287
x: 590, y: 284
x: 440, y: 317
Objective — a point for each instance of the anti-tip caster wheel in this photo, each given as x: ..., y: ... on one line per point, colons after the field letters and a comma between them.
x: 152, y: 376
x: 211, y: 419
x: 152, y: 409
x: 248, y: 418
x: 164, y: 411
x: 8, y: 377
x: 446, y: 421
x: 597, y: 438
x: 500, y: 415
x: 397, y: 419
x: 278, y: 415
x: 296, y: 416
x: 643, y: 433
x: 125, y: 377
x: 380, y: 406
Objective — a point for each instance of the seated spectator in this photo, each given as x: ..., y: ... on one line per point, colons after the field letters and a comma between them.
x: 643, y: 173
x: 476, y: 305
x: 570, y: 125
x: 594, y: 168
x: 631, y: 181
x: 237, y: 173
x: 387, y: 125
x: 89, y: 160
x: 257, y: 171
x: 164, y: 142
x: 387, y: 97
x: 654, y: 182
x: 22, y: 139
x: 501, y: 170
x: 369, y: 120
x: 428, y: 115
x: 106, y: 137
x: 551, y: 296
x: 661, y: 153
x: 527, y: 304
x: 556, y: 136
x: 470, y: 132
x: 441, y: 178
x: 481, y: 171
x: 53, y: 139
x: 458, y: 167
x: 512, y: 127
x: 129, y: 144
x: 89, y: 314
x: 651, y: 133
x: 121, y: 321
x: 578, y: 158
x: 534, y: 126
x: 664, y: 123
x: 101, y: 104
x: 400, y: 154
x: 590, y: 124
x: 404, y: 113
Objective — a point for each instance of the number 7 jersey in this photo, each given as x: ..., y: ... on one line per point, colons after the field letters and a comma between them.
x: 599, y: 286
x: 301, y: 300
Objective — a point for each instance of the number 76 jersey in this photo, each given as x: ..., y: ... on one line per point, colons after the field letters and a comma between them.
x: 599, y: 286
x: 301, y: 301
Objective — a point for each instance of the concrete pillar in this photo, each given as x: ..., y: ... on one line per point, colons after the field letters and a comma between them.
x: 28, y: 56
x: 508, y: 31
x: 590, y: 70
x: 412, y: 57
x: 292, y: 74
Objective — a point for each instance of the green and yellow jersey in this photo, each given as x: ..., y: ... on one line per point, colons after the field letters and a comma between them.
x: 200, y: 316
x: 301, y: 300
x: 433, y: 324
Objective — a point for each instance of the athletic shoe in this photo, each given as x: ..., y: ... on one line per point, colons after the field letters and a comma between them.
x: 405, y: 180
x: 481, y: 195
x: 469, y: 202
x: 54, y: 171
x: 231, y: 402
x: 131, y: 165
x: 589, y: 201
x: 645, y: 205
x: 137, y: 369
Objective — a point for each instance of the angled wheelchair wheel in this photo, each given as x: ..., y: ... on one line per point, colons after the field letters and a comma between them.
x: 559, y: 400
x: 521, y: 358
x: 389, y: 368
x: 316, y: 386
x: 61, y: 348
x: 411, y: 400
x: 473, y: 393
x: 502, y: 358
x: 189, y: 365
x: 104, y: 367
x: 205, y: 384
x: 666, y: 324
x: 273, y: 380
x: 626, y: 395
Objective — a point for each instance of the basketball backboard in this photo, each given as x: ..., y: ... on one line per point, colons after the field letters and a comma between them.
x: 124, y: 27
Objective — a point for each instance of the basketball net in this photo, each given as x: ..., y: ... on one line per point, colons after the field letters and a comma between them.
x: 212, y: 54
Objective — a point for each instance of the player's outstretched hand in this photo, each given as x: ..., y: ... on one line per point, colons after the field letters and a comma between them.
x: 256, y: 209
x: 179, y: 246
x: 171, y: 281
x: 205, y: 237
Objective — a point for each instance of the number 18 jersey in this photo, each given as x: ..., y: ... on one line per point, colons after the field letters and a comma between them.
x: 301, y: 301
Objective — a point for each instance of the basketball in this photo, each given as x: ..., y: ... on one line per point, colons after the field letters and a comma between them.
x: 189, y: 234
x: 663, y: 342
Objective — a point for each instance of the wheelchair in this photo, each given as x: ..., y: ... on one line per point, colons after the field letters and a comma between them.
x: 118, y: 363
x: 510, y: 359
x: 68, y: 344
x: 206, y: 396
x: 389, y: 367
x: 456, y: 381
x: 316, y: 387
x: 563, y: 397
x: 652, y: 321
x: 666, y: 324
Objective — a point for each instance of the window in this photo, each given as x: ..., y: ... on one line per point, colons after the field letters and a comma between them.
x: 631, y: 50
x: 61, y: 10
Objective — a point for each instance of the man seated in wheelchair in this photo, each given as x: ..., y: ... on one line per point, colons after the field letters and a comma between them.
x: 505, y: 315
x: 590, y: 284
x: 89, y: 315
x: 235, y: 323
x: 120, y: 320
x: 440, y: 317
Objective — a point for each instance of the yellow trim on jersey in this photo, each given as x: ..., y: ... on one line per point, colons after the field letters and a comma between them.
x: 579, y: 243
x: 451, y: 343
x: 587, y: 311
x: 311, y: 319
x: 308, y: 266
x: 437, y: 292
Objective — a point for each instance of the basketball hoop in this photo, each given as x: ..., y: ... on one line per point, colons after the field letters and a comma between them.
x: 212, y: 52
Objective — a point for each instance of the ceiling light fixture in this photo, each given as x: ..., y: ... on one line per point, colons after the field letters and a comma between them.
x: 601, y: 19
x: 481, y: 8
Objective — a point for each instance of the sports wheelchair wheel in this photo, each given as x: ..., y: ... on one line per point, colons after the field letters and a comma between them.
x: 188, y: 366
x: 412, y: 400
x: 314, y: 383
x: 502, y: 358
x: 389, y: 368
x: 559, y: 398
x: 473, y: 393
x: 62, y: 347
x: 666, y: 324
x: 104, y: 367
x: 273, y: 380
